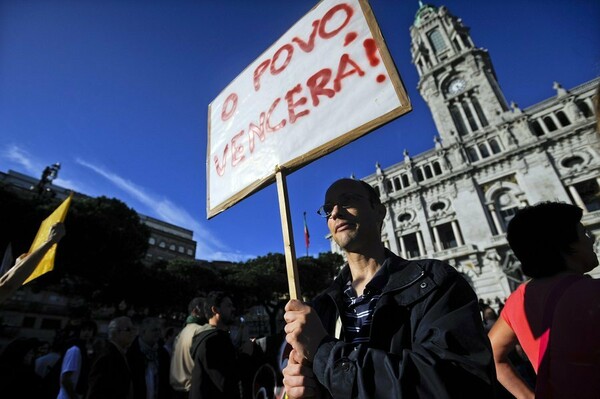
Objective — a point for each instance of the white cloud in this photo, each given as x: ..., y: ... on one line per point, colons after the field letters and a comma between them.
x: 22, y: 158
x: 208, y: 247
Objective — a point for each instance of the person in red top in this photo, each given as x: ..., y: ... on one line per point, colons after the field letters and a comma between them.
x: 552, y: 313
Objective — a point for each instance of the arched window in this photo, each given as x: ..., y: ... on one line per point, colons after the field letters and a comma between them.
x: 583, y: 107
x: 397, y: 185
x: 172, y: 247
x: 405, y: 182
x: 536, y: 128
x: 428, y: 173
x: 388, y: 186
x: 479, y: 110
x: 549, y: 123
x: 152, y: 241
x: 469, y: 116
x: 472, y: 154
x: 495, y: 146
x: 162, y: 244
x: 458, y: 120
x: 436, y: 40
x: 507, y: 206
x: 437, y: 169
x: 483, y: 150
x: 562, y: 118
x: 420, y: 175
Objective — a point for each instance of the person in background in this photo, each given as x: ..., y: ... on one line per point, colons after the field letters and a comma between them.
x: 181, y: 360
x: 555, y: 316
x: 26, y: 263
x: 216, y: 372
x: 75, y: 362
x: 149, y: 362
x: 386, y: 327
x: 110, y: 376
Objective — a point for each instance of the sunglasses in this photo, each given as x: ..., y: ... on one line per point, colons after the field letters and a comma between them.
x: 345, y: 201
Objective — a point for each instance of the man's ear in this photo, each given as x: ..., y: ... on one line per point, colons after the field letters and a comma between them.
x: 214, y: 310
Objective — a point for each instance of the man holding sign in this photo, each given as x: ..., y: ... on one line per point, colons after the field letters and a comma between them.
x: 386, y: 327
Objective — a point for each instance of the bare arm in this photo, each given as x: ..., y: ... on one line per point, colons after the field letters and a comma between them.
x: 503, y: 341
x: 23, y: 268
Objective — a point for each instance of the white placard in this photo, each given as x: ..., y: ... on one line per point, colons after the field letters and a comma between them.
x: 326, y: 82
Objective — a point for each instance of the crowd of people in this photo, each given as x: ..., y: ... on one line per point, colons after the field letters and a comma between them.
x: 386, y: 327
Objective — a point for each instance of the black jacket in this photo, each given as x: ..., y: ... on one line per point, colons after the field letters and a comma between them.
x: 216, y: 371
x: 427, y: 339
x: 110, y: 377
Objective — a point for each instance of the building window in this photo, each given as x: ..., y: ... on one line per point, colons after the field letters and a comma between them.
x: 411, y: 245
x: 151, y: 241
x: 397, y: 185
x: 479, y: 110
x: 388, y: 187
x: 495, y: 146
x: 405, y: 180
x: 437, y: 41
x: 583, y: 107
x: 589, y: 191
x: 458, y: 120
x: 404, y: 218
x: 181, y: 249
x: 437, y: 206
x: 536, y: 128
x: 469, y: 116
x: 162, y: 244
x: 172, y: 247
x: 472, y: 154
x: 572, y: 162
x: 420, y: 175
x: 483, y: 151
x: 549, y: 123
x: 377, y: 191
x: 507, y: 206
x: 190, y: 252
x: 428, y: 173
x: 562, y: 118
x: 437, y: 169
x: 447, y: 239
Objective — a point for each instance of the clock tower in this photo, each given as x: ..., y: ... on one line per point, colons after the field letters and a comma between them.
x: 457, y: 79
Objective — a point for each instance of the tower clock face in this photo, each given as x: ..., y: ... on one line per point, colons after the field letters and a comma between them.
x: 456, y: 86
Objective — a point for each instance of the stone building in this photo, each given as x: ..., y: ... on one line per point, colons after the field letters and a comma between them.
x: 167, y: 241
x: 491, y: 158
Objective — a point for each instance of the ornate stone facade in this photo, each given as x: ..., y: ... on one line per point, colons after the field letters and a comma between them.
x: 454, y: 201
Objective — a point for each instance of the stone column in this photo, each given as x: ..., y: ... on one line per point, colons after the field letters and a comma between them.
x: 577, y: 198
x: 473, y: 112
x: 466, y: 123
x: 542, y: 124
x: 436, y: 236
x: 402, y: 247
x: 420, y: 244
x: 494, y: 214
x: 457, y: 236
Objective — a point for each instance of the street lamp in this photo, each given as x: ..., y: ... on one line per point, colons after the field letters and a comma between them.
x: 48, y: 175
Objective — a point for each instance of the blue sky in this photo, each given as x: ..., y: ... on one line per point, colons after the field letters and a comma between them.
x: 117, y: 91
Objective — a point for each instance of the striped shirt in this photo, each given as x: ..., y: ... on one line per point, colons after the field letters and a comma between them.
x: 357, y: 314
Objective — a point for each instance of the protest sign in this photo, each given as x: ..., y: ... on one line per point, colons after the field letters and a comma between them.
x: 324, y: 83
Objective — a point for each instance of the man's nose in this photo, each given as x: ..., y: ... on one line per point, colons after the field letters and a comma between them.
x: 335, y: 211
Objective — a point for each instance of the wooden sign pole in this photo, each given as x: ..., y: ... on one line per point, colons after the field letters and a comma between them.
x: 288, y: 236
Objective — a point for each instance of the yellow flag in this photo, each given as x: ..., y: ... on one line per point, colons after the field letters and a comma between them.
x: 47, y: 262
